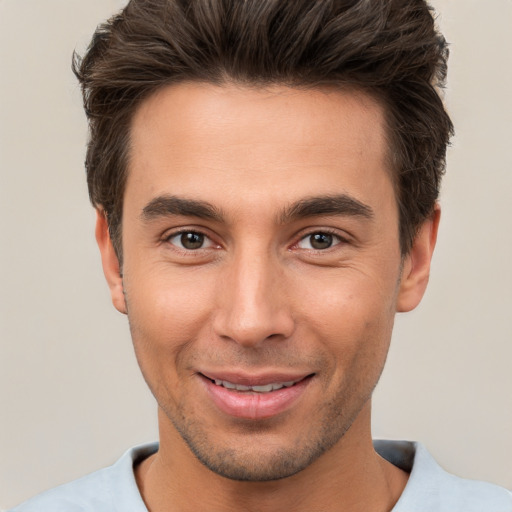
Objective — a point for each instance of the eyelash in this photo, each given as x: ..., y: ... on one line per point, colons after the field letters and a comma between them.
x: 338, y: 239
x: 180, y: 233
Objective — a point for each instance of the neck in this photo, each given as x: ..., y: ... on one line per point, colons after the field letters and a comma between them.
x: 350, y: 477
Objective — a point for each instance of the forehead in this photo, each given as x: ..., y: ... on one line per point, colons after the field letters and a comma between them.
x: 198, y: 109
x: 200, y: 138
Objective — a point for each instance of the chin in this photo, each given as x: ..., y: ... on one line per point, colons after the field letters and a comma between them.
x: 258, y: 455
x: 247, y: 466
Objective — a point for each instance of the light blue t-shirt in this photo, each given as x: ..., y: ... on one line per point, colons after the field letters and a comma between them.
x: 429, y: 489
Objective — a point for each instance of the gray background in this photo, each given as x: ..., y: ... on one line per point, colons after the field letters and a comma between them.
x: 71, y: 397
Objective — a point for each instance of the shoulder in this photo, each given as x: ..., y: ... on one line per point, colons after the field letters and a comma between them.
x: 432, y: 488
x: 107, y: 490
x: 88, y: 493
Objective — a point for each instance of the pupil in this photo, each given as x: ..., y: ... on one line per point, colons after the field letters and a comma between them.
x: 192, y: 240
x: 321, y: 240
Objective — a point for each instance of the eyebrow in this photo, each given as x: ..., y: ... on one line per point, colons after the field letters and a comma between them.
x: 163, y: 206
x: 316, y: 206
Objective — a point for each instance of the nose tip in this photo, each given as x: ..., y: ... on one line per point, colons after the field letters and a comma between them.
x: 251, y: 327
x: 253, y: 306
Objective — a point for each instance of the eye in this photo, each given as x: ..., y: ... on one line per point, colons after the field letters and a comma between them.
x: 190, y: 240
x: 318, y: 241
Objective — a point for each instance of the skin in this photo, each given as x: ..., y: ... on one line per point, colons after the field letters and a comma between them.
x: 259, y: 296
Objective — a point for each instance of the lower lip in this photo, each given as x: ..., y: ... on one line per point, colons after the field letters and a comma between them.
x: 252, y: 405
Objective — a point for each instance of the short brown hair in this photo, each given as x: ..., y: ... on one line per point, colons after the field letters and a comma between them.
x: 387, y: 48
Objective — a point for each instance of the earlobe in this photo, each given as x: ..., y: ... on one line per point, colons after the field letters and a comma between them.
x: 416, y: 265
x: 110, y: 262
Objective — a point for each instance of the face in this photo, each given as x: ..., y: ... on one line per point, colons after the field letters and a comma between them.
x: 262, y: 269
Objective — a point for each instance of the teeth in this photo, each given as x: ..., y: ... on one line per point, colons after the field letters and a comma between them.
x: 265, y: 389
x: 256, y: 389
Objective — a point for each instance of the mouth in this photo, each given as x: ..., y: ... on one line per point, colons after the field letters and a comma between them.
x: 255, y: 397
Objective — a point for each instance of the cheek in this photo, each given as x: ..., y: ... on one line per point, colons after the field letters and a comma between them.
x: 355, y: 334
x: 167, y: 313
x: 347, y: 295
x: 352, y: 313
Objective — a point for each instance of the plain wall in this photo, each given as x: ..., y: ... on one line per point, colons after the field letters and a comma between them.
x: 71, y: 396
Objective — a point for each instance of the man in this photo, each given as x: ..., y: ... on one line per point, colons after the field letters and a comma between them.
x: 265, y: 175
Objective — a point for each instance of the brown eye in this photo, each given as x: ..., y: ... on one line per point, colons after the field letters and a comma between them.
x: 190, y: 240
x: 321, y: 241
x: 318, y: 241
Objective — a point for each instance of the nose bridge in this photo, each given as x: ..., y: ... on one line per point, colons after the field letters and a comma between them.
x: 253, y: 305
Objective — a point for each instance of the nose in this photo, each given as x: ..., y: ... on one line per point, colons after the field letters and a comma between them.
x: 253, y: 301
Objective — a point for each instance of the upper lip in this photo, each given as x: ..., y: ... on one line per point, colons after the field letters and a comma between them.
x: 257, y: 379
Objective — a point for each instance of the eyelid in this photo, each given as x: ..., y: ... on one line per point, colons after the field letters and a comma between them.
x: 177, y: 232
x: 340, y: 238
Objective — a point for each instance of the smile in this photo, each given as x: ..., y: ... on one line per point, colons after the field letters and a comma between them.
x: 255, y: 398
x: 255, y: 389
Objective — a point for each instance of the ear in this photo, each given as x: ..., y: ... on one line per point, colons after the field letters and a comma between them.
x: 416, y: 265
x: 110, y: 262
